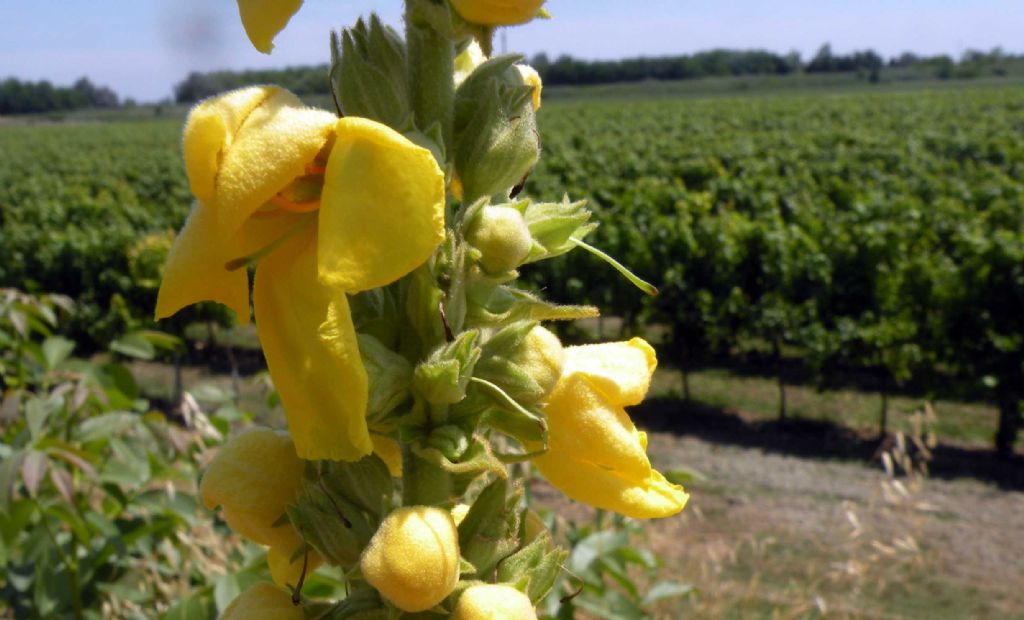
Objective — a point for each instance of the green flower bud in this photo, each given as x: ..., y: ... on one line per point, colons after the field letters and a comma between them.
x: 442, y: 378
x: 449, y: 440
x: 496, y: 141
x: 503, y: 238
x: 413, y: 558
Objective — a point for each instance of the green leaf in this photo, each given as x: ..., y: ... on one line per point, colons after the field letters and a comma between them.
x: 8, y: 477
x: 119, y: 385
x: 666, y: 590
x: 191, y: 608
x: 225, y: 589
x: 56, y: 350
x: 106, y: 426
x: 593, y: 546
x: 134, y: 345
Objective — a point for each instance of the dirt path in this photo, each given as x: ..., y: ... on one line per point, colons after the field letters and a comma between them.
x: 770, y: 533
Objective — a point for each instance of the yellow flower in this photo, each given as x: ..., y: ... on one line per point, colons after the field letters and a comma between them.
x: 493, y: 602
x: 497, y: 12
x: 263, y: 19
x: 413, y: 558
x: 263, y: 601
x: 254, y: 477
x: 330, y: 207
x: 531, y: 78
x: 595, y: 454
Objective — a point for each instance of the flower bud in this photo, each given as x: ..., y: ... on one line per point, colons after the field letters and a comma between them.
x: 263, y: 601
x: 442, y: 377
x: 255, y: 476
x: 467, y: 61
x: 503, y: 238
x: 531, y: 78
x: 493, y: 602
x: 497, y: 12
x: 413, y: 558
x: 496, y: 142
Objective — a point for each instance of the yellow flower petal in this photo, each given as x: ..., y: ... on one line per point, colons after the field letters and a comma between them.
x: 497, y: 12
x: 652, y: 497
x: 595, y: 454
x: 254, y: 477
x: 195, y: 271
x: 493, y: 602
x: 382, y: 212
x: 263, y: 601
x: 285, y: 572
x: 312, y: 353
x: 270, y: 149
x: 620, y: 370
x: 210, y: 129
x: 263, y: 19
x: 413, y: 558
x: 584, y: 424
x: 389, y: 451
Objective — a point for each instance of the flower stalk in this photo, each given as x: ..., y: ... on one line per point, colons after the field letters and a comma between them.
x: 413, y: 372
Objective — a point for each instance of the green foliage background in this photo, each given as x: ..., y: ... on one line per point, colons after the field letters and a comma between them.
x: 878, y: 231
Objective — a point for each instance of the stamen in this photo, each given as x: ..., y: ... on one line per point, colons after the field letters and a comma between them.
x: 281, y: 201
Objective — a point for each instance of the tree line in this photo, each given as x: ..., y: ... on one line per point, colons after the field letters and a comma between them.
x: 24, y: 97
x: 566, y: 70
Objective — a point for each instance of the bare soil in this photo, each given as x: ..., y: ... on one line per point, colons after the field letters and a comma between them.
x: 770, y: 533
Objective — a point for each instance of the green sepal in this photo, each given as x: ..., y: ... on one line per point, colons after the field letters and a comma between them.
x: 450, y: 440
x: 362, y: 604
x: 533, y: 569
x: 375, y: 313
x: 477, y: 460
x: 498, y: 363
x: 366, y: 483
x: 490, y: 530
x: 553, y: 225
x: 442, y: 378
x: 491, y: 303
x: 424, y: 327
x: 327, y: 525
x: 389, y: 374
x: 370, y: 75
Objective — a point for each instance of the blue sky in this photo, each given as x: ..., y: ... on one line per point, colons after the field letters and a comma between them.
x: 141, y: 48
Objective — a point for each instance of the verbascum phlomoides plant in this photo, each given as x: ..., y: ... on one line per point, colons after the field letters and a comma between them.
x: 384, y: 240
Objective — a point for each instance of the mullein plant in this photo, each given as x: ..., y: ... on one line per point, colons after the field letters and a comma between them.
x: 385, y: 242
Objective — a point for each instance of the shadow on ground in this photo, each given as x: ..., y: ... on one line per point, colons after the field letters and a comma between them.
x: 816, y: 439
